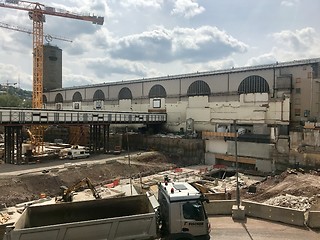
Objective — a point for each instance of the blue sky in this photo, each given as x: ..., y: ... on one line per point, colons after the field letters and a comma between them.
x: 148, y: 38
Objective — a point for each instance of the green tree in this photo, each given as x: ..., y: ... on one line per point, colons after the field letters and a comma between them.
x: 15, y: 97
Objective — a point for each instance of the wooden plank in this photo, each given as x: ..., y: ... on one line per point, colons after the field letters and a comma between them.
x: 232, y: 158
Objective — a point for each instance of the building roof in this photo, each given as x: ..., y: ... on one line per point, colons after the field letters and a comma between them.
x: 201, y: 74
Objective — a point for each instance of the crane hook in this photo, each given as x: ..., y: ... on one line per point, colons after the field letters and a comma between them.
x: 48, y: 38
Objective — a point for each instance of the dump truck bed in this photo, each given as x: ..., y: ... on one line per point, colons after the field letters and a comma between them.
x: 118, y: 218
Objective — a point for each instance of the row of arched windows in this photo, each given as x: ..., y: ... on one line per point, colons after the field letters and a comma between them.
x: 251, y: 84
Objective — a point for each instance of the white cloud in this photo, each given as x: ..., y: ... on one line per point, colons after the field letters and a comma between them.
x: 187, y: 8
x: 72, y: 80
x: 107, y: 67
x: 290, y: 3
x: 290, y: 45
x: 305, y: 39
x: 188, y: 44
x: 267, y: 58
x: 211, y: 65
x: 13, y: 74
x: 142, y: 3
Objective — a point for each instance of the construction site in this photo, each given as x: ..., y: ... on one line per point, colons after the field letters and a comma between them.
x: 241, y: 151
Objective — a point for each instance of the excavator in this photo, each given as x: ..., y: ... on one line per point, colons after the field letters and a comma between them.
x: 67, y: 192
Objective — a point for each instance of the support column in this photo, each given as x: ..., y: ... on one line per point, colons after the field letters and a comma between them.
x: 13, y: 144
x: 97, y: 138
x: 108, y: 138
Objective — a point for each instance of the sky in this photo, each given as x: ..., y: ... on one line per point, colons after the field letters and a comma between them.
x: 154, y: 38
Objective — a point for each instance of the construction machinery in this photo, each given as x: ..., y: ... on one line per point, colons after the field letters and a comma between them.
x: 37, y: 12
x: 67, y: 192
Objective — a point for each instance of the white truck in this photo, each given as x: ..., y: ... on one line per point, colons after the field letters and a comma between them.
x: 78, y: 153
x: 179, y: 214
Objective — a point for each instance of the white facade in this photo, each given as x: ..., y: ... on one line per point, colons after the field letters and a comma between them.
x: 265, y: 100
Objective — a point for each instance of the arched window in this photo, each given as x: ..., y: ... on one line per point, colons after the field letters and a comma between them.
x: 59, y: 98
x: 253, y: 84
x: 77, y: 97
x: 44, y: 99
x: 199, y: 88
x: 157, y: 91
x: 125, y: 93
x: 98, y: 95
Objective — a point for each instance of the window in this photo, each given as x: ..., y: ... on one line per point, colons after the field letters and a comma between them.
x: 297, y: 112
x: 98, y: 104
x: 125, y: 93
x: 298, y: 80
x: 309, y: 75
x: 77, y: 97
x: 98, y: 95
x: 298, y: 90
x: 193, y: 210
x: 199, y: 88
x: 253, y: 84
x: 156, y: 103
x: 76, y: 106
x: 157, y: 91
x: 58, y: 98
x: 297, y: 101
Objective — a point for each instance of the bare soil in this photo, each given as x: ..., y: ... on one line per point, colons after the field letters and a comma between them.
x: 296, y: 184
x: 27, y: 187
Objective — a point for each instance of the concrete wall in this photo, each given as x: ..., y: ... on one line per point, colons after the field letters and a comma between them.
x: 268, y: 212
x: 249, y: 149
x: 216, y: 146
x: 181, y: 151
x: 219, y: 207
x: 209, y: 158
x: 264, y: 165
x: 274, y: 213
x: 314, y: 219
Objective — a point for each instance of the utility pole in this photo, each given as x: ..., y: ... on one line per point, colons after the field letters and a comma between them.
x: 238, y: 211
x: 237, y: 165
x: 127, y: 133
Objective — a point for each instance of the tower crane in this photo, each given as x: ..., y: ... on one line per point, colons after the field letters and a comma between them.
x: 37, y: 12
x: 48, y: 37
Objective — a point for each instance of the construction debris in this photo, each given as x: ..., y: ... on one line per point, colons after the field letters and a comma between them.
x: 290, y: 201
x: 4, y: 217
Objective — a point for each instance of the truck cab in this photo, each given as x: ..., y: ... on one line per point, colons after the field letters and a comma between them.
x: 181, y: 210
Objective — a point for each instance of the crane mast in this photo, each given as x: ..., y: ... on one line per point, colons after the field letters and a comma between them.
x: 38, y: 19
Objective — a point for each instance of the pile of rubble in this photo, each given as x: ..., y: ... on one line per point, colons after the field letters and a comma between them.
x: 290, y: 201
x: 229, y: 184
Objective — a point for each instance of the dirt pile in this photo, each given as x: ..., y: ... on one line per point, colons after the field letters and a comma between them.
x: 291, y: 188
x: 29, y: 186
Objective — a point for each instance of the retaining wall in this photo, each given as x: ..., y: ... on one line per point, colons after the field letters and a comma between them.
x: 275, y: 213
x: 219, y: 207
x: 264, y: 211
x: 314, y: 219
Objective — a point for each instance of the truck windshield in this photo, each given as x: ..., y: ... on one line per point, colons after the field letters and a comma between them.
x: 193, y: 210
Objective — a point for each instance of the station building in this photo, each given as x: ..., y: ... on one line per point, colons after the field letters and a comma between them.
x: 265, y: 102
